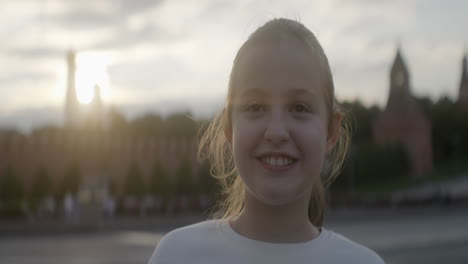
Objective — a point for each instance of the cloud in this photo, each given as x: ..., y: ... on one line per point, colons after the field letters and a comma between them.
x: 82, y: 20
x: 90, y: 14
x: 150, y: 74
x: 36, y: 53
x: 131, y: 6
x: 167, y: 53
x: 126, y: 37
x: 21, y: 76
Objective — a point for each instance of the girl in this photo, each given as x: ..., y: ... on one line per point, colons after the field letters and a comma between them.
x: 279, y: 140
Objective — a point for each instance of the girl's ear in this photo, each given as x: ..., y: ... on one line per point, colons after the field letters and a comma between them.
x: 334, y: 130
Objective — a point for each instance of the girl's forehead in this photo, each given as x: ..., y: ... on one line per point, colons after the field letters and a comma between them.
x: 279, y: 93
x: 282, y: 66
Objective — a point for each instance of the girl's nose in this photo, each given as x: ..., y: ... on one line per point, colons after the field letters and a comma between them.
x: 276, y: 131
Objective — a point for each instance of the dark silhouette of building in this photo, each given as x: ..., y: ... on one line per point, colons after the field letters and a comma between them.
x: 72, y: 106
x: 78, y: 115
x: 403, y: 122
x: 94, y: 115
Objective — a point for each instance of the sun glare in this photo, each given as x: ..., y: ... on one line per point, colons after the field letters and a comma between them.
x: 91, y: 71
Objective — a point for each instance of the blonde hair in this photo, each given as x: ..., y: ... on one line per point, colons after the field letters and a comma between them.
x: 214, y: 145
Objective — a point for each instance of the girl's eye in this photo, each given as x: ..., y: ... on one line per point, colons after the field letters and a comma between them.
x: 255, y: 108
x: 299, y: 108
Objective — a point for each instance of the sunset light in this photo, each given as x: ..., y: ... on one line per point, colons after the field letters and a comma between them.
x: 91, y: 71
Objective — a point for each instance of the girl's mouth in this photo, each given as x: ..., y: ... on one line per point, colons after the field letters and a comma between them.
x: 277, y: 162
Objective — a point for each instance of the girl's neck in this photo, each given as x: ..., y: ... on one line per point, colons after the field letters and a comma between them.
x: 276, y: 224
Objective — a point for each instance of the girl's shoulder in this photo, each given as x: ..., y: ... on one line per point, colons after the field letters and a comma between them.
x: 204, y: 228
x: 348, y: 248
x: 215, y: 238
x: 188, y: 243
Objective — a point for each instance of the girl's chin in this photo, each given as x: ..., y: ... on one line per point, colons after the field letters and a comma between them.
x: 278, y: 198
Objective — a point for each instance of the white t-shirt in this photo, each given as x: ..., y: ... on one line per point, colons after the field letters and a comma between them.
x: 214, y: 241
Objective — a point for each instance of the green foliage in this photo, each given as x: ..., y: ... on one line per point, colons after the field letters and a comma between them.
x: 208, y: 184
x: 153, y: 125
x: 184, y: 182
x: 11, y: 194
x: 117, y: 122
x: 11, y: 187
x: 181, y: 125
x: 372, y: 165
x: 113, y: 187
x: 449, y: 130
x: 70, y: 182
x: 148, y: 126
x: 42, y: 187
x: 375, y: 163
x: 361, y: 119
x: 134, y: 183
x: 47, y: 130
x: 160, y: 184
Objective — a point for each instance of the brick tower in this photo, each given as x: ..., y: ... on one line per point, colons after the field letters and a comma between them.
x: 403, y: 122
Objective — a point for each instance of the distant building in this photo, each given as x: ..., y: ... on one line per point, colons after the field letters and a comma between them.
x: 80, y: 115
x: 72, y: 106
x: 463, y: 92
x: 102, y: 156
x: 94, y: 115
x: 403, y: 122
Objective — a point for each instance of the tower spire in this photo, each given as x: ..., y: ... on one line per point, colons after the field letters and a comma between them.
x: 399, y: 63
x: 400, y: 93
x: 71, y: 100
x: 96, y: 114
x: 97, y: 100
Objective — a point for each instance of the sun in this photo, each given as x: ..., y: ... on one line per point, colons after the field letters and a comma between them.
x: 91, y: 71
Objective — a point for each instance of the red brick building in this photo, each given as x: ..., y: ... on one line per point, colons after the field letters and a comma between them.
x: 101, y: 156
x: 403, y: 122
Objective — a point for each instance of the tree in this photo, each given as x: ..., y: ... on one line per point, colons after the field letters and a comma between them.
x: 208, y: 184
x: 150, y: 125
x: 134, y: 183
x: 42, y: 187
x: 361, y: 119
x: 117, y: 122
x: 181, y: 125
x: 160, y: 185
x: 449, y: 130
x: 11, y: 194
x: 376, y: 163
x: 71, y: 181
x: 184, y: 183
x: 113, y: 187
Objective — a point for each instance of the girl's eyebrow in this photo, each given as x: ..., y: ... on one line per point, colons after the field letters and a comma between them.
x: 294, y: 92
x: 302, y: 92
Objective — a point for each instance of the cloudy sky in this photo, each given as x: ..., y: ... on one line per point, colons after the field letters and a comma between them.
x: 163, y: 56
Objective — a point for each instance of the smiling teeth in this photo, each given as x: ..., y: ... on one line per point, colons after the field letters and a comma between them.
x: 277, y: 161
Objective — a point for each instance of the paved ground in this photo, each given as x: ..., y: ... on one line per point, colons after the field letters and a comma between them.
x: 399, y: 236
x: 410, y: 235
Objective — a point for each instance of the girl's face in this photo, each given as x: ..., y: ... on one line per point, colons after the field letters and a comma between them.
x: 279, y: 134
